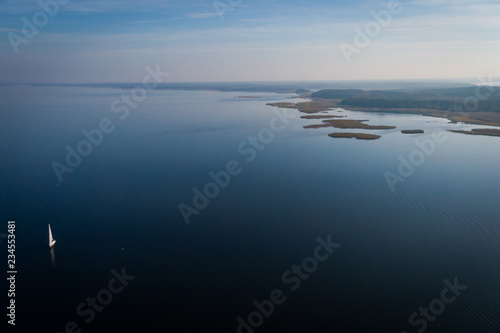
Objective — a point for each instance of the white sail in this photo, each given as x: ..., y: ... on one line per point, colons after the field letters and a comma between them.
x: 52, y: 241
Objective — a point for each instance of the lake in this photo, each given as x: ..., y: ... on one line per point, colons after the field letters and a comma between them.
x: 253, y: 256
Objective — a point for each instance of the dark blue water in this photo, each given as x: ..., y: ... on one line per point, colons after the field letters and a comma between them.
x: 119, y: 209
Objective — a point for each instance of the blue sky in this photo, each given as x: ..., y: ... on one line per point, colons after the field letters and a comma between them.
x: 113, y: 41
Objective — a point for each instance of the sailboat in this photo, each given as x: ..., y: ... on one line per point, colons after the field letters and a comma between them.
x: 52, y: 241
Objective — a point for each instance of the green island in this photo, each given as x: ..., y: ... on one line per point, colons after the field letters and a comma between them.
x: 358, y: 136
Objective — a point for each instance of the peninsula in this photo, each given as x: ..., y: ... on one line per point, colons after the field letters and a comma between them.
x: 451, y: 102
x: 480, y: 131
x: 459, y: 105
x: 349, y: 124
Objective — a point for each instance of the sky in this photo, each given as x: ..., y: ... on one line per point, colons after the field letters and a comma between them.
x: 247, y: 40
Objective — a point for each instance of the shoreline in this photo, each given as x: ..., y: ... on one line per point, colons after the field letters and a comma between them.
x: 350, y: 124
x: 479, y: 131
x: 321, y: 105
x: 470, y: 118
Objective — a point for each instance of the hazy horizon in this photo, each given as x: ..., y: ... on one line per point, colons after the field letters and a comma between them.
x: 465, y: 81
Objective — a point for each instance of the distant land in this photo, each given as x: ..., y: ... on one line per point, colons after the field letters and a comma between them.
x: 480, y: 131
x: 449, y: 99
x: 350, y: 124
x: 457, y: 101
x: 479, y: 105
x: 282, y: 87
x: 321, y: 117
x: 358, y: 136
x: 415, y: 131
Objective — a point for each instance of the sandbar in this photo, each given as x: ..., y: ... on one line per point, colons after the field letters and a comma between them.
x: 321, y: 117
x: 308, y: 107
x: 480, y: 131
x: 476, y: 118
x: 416, y: 131
x: 358, y: 136
x: 350, y: 124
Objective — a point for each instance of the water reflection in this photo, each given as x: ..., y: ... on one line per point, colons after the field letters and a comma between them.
x: 52, y: 256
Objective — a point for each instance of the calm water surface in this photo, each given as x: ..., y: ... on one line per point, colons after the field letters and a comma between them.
x: 119, y: 209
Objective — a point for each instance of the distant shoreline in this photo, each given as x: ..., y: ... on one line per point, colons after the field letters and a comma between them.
x: 480, y: 131
x: 473, y: 118
x: 448, y: 98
